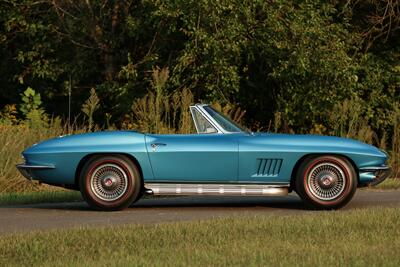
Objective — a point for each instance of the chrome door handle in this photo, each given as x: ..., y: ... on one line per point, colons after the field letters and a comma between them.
x: 155, y: 145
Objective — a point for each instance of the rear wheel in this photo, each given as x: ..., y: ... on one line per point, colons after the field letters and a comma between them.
x: 110, y: 182
x: 326, y: 182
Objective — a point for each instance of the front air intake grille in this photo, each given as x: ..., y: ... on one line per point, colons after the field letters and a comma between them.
x: 268, y: 167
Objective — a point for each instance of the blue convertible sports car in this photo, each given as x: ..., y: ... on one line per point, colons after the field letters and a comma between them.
x: 114, y: 169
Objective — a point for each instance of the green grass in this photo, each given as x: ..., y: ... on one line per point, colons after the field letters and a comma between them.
x: 368, y: 237
x: 389, y: 184
x: 39, y: 197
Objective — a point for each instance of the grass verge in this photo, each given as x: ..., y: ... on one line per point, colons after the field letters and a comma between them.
x: 367, y: 237
x: 39, y: 197
x: 388, y: 184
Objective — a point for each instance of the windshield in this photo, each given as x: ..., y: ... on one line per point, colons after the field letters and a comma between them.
x: 226, y: 123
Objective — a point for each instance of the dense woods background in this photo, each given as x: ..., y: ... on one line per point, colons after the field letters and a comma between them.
x: 324, y: 67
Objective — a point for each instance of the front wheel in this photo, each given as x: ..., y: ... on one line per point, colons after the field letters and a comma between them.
x: 326, y: 182
x: 110, y: 182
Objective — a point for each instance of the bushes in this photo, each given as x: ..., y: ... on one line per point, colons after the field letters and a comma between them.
x: 293, y: 66
x: 299, y: 58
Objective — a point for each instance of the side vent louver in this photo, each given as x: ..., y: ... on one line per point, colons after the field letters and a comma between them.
x: 268, y: 167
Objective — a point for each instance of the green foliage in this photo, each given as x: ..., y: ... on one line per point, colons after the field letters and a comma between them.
x: 394, y: 160
x: 233, y: 111
x: 293, y: 66
x: 9, y: 115
x: 30, y: 101
x: 160, y: 112
x: 347, y: 120
x: 35, y: 116
x: 298, y: 58
x: 90, y: 106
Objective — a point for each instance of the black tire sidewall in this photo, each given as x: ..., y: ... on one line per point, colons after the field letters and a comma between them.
x: 133, y: 189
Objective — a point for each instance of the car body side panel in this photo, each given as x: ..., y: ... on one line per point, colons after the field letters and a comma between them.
x: 271, y: 158
x: 226, y: 158
x: 66, y: 152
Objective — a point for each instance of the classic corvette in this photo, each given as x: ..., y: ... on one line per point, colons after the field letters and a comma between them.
x: 113, y: 169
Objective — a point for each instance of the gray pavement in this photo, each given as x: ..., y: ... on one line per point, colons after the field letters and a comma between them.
x: 24, y: 218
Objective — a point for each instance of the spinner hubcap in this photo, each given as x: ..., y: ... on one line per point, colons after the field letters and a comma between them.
x: 109, y: 182
x: 326, y: 181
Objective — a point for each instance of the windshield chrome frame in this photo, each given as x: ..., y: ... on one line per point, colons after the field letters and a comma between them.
x: 209, y: 118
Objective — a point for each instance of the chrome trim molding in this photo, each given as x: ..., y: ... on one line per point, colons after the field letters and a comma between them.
x: 375, y: 169
x: 25, y: 166
x: 232, y: 182
x: 380, y: 172
x: 26, y: 169
x: 216, y: 189
x: 207, y: 117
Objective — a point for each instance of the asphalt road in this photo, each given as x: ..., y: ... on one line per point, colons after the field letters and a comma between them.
x: 156, y: 210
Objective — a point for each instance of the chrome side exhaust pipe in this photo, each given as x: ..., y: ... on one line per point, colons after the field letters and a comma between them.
x: 216, y: 189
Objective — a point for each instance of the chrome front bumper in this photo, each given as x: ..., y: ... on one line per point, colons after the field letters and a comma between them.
x: 26, y: 169
x: 380, y: 173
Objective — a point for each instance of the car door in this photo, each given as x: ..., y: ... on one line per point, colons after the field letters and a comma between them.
x: 210, y: 158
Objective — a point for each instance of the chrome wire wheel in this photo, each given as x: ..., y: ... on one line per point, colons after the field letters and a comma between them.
x: 326, y: 181
x: 109, y: 182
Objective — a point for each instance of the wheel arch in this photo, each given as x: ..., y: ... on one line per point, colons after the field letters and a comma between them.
x: 301, y: 160
x: 88, y: 156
